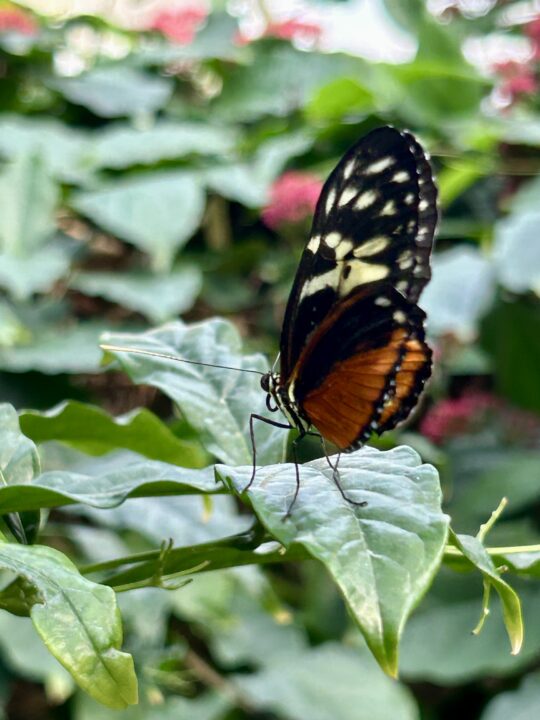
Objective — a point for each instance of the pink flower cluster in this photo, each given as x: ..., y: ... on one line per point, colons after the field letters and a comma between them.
x: 179, y: 25
x: 520, y: 79
x: 476, y: 412
x: 293, y: 197
x: 293, y: 29
x: 14, y: 20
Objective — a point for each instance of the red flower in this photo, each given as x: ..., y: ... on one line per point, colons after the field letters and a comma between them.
x: 14, y: 20
x: 294, y: 30
x: 293, y: 197
x: 180, y: 25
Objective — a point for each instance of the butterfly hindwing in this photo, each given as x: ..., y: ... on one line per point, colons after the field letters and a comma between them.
x: 374, y: 221
x: 353, y: 374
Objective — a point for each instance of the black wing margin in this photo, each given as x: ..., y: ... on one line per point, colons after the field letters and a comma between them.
x: 374, y: 224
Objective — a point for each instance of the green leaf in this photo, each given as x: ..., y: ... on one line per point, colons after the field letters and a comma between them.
x: 460, y: 292
x: 341, y: 97
x: 62, y: 147
x: 31, y: 260
x: 107, y: 484
x: 206, y: 706
x: 56, y: 348
x: 121, y: 146
x: 280, y: 81
x: 19, y: 464
x: 78, y: 621
x: 520, y: 704
x: 159, y: 297
x: 382, y: 556
x: 116, y: 91
x: 326, y: 682
x: 92, y: 430
x: 216, y: 402
x: 156, y: 212
x: 516, y: 252
x: 249, y: 182
x: 475, y: 552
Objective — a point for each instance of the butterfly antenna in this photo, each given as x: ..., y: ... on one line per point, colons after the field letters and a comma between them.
x: 164, y: 356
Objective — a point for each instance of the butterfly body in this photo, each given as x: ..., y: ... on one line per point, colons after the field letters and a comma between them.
x: 353, y: 353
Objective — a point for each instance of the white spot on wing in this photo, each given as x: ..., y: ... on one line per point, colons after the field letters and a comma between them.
x: 401, y: 176
x: 383, y: 301
x: 314, y: 243
x: 347, y: 195
x: 366, y: 199
x: 371, y: 247
x: 402, y: 286
x: 343, y: 249
x: 409, y: 197
x: 389, y: 208
x: 348, y: 170
x: 399, y: 316
x: 333, y: 239
x: 330, y: 200
x: 361, y: 273
x: 380, y: 165
x: 423, y: 205
x: 319, y: 282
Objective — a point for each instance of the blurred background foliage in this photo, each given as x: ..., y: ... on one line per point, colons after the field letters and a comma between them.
x: 163, y: 159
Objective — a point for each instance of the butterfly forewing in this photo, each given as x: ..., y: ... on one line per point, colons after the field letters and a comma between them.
x: 375, y: 220
x: 353, y: 355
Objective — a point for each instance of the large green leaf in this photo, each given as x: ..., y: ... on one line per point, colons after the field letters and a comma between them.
x: 107, y: 484
x: 121, y: 146
x: 31, y: 258
x: 77, y: 620
x: 207, y: 706
x: 19, y: 464
x: 116, y: 91
x: 341, y: 97
x: 328, y: 682
x: 157, y: 212
x: 382, y: 556
x: 159, y: 297
x: 92, y: 430
x: 217, y: 402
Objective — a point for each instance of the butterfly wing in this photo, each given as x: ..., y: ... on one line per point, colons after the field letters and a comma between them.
x: 375, y: 221
x: 364, y: 367
x: 353, y: 355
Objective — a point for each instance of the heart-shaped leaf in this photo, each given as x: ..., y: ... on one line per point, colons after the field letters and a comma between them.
x: 382, y: 556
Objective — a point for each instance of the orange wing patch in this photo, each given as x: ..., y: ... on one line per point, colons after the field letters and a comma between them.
x: 410, y: 378
x: 350, y: 398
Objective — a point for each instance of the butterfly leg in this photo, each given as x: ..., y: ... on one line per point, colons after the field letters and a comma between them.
x: 336, y: 479
x: 253, y: 417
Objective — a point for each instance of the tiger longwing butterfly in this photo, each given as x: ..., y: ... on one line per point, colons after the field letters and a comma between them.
x: 353, y: 355
x: 353, y: 358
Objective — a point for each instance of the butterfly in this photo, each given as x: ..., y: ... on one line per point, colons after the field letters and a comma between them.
x: 353, y: 355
